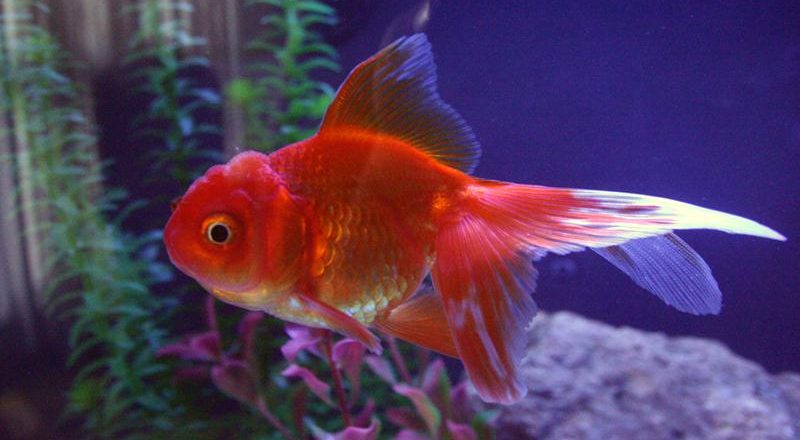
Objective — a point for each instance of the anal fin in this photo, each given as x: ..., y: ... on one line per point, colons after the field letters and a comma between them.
x: 421, y: 321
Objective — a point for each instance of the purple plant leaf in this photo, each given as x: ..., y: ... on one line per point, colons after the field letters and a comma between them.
x: 194, y: 372
x: 246, y: 329
x: 430, y: 379
x: 459, y: 431
x: 460, y: 409
x: 364, y: 417
x: 235, y: 378
x: 350, y: 433
x: 211, y: 314
x: 318, y: 387
x: 198, y: 347
x: 299, y: 410
x: 408, y: 434
x: 405, y: 418
x: 381, y: 367
x: 483, y: 423
x: 316, y: 432
x: 300, y: 338
x: 436, y: 385
x: 424, y: 406
x: 347, y: 356
x: 355, y: 433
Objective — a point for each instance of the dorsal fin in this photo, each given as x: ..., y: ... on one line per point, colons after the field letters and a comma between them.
x: 394, y: 93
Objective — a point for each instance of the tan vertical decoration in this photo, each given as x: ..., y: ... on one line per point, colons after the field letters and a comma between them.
x: 97, y: 33
x: 15, y: 302
x: 85, y: 29
x: 219, y: 23
x: 33, y: 253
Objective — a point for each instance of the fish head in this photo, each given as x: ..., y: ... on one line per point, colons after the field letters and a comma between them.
x: 229, y: 232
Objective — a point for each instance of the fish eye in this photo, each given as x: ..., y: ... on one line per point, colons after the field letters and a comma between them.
x: 220, y: 229
x: 219, y: 233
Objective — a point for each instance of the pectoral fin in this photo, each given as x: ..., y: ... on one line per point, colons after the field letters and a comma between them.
x: 339, y: 321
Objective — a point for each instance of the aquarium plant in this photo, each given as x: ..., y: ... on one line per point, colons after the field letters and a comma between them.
x: 282, y: 102
x: 325, y: 374
x: 330, y: 392
x: 161, y: 63
x: 96, y: 282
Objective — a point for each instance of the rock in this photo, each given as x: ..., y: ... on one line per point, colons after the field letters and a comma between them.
x: 588, y: 380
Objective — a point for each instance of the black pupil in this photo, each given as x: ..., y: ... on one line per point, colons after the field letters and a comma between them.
x: 219, y: 233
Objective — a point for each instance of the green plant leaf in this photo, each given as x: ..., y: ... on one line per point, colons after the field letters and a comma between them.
x: 315, y: 6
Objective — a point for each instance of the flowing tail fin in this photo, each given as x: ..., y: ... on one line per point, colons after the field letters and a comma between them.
x: 484, y: 274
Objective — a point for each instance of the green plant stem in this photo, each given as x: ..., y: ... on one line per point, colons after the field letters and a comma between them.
x: 337, y: 379
x: 264, y: 411
x: 399, y: 362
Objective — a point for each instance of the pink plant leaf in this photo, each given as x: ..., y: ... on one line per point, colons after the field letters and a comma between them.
x: 424, y: 406
x: 316, y: 432
x: 483, y: 423
x: 318, y: 387
x: 355, y: 433
x: 247, y: 327
x: 460, y: 431
x: 350, y: 433
x: 405, y: 418
x: 436, y: 385
x: 300, y: 338
x: 198, y: 347
x: 347, y: 356
x: 364, y: 417
x: 211, y: 314
x: 380, y: 366
x: 408, y: 434
x: 193, y: 372
x: 235, y: 378
x: 299, y: 409
x: 460, y: 409
x: 432, y: 375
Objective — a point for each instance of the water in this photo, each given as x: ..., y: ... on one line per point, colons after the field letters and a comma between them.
x: 694, y: 101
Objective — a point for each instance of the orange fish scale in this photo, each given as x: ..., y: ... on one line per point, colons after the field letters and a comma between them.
x: 356, y: 274
x: 374, y: 201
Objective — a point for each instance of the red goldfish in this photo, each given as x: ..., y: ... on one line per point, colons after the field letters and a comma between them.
x: 339, y: 230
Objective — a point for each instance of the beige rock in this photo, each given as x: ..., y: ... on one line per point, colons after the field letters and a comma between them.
x: 588, y: 380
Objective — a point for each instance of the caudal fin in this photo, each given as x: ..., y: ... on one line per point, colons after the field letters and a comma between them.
x: 484, y: 274
x: 563, y: 220
x: 670, y: 269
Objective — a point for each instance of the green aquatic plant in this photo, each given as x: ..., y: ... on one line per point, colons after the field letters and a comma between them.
x: 95, y: 281
x: 320, y: 387
x: 283, y: 103
x: 162, y: 71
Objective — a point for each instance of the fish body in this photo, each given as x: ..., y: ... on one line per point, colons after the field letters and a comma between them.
x: 339, y: 230
x: 364, y: 256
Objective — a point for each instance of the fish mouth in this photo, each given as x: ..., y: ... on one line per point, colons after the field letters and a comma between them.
x: 173, y: 205
x: 171, y: 243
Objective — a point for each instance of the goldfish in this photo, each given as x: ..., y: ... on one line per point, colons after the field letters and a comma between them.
x: 340, y: 231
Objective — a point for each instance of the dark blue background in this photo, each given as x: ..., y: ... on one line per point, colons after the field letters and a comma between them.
x: 696, y: 101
